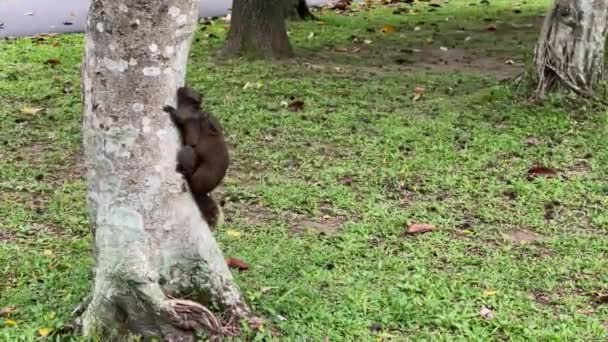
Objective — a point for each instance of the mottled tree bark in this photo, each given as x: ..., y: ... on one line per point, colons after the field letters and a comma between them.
x: 152, y: 247
x: 257, y: 27
x: 570, y: 50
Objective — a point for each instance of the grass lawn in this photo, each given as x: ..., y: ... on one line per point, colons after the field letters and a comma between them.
x: 317, y: 200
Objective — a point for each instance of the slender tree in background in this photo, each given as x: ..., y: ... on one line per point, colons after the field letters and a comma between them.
x: 570, y: 51
x: 299, y: 10
x: 152, y: 246
x: 257, y: 27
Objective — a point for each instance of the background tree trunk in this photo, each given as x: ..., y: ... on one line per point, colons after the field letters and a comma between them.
x: 151, y: 242
x: 257, y: 27
x: 570, y: 51
x: 298, y: 9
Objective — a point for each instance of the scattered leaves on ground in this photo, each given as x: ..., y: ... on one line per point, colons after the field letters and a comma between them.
x: 296, y: 106
x: 541, y: 171
x: 419, y: 228
x: 237, y: 264
x: 417, y: 95
x: 6, y: 311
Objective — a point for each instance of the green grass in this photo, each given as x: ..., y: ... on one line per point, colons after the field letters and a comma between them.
x: 361, y: 156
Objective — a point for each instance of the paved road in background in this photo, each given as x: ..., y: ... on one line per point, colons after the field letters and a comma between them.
x: 30, y: 17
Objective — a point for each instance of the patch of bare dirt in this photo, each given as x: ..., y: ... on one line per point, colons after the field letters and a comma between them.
x: 325, y: 225
x: 432, y: 59
x: 34, y: 230
x: 579, y: 169
x: 522, y: 236
x: 6, y: 236
x: 459, y: 60
x: 541, y: 298
x: 251, y: 214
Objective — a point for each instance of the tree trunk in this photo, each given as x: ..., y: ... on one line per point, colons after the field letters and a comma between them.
x: 298, y: 9
x: 257, y: 27
x: 152, y: 247
x: 570, y: 51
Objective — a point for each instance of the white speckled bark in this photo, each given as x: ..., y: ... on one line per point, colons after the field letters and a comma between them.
x: 570, y: 51
x: 151, y: 243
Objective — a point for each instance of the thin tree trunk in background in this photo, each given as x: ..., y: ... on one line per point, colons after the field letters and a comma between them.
x: 299, y: 9
x: 152, y: 246
x: 257, y: 27
x: 570, y: 50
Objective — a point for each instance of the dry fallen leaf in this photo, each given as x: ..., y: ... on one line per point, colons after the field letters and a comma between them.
x: 47, y: 253
x: 313, y: 66
x: 30, y: 110
x: 233, y: 233
x: 419, y: 228
x: 237, y: 264
x: 296, y: 106
x: 341, y: 49
x: 267, y: 289
x: 53, y: 62
x: 541, y: 171
x: 367, y: 41
x: 532, y: 141
x: 311, y: 35
x: 257, y: 85
x: 346, y: 180
x: 6, y: 311
x: 486, y: 313
x: 601, y: 298
x: 388, y: 29
x: 418, y: 91
x: 443, y: 48
x: 44, y: 332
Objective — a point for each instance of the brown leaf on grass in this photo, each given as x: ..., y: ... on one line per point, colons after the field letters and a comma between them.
x: 296, y: 106
x: 486, y: 313
x: 44, y: 332
x: 388, y: 29
x: 532, y: 141
x: 53, y: 62
x: 6, y: 311
x: 419, y: 228
x: 346, y: 180
x: 541, y: 171
x: 237, y: 264
x: 601, y: 298
x: 491, y: 28
x: 30, y: 110
x: 418, y: 91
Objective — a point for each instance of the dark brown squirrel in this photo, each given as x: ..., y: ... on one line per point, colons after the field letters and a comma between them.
x: 203, y: 158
